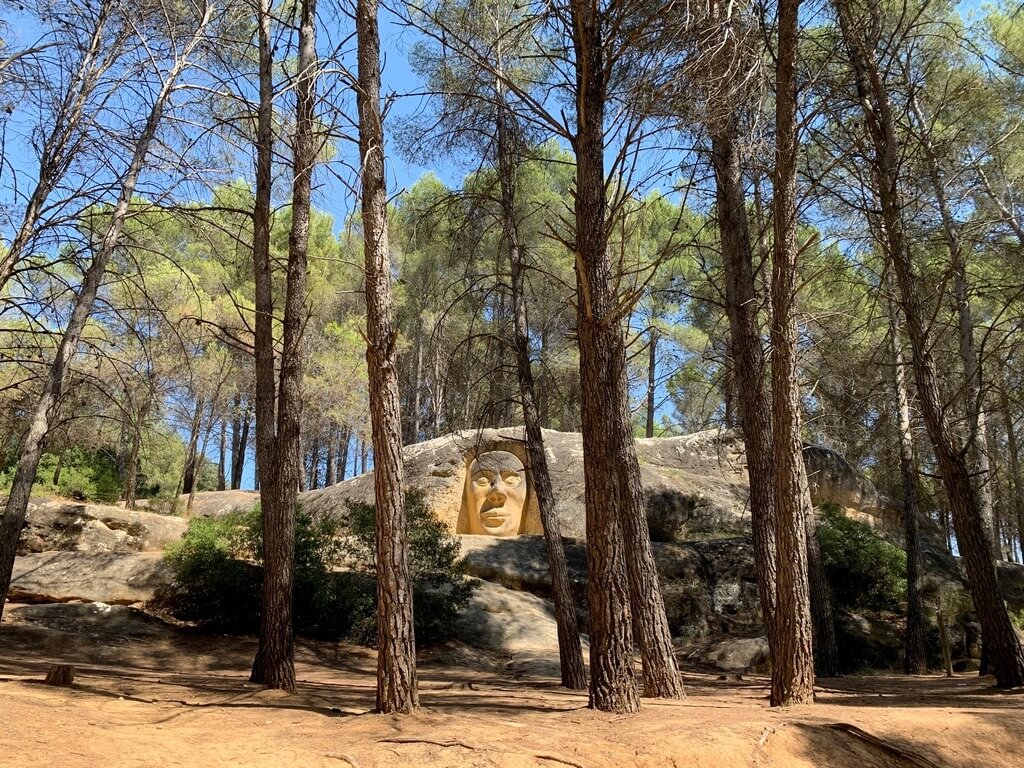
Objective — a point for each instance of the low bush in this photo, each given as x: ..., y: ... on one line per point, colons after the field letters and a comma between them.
x: 865, y: 571
x: 217, y: 574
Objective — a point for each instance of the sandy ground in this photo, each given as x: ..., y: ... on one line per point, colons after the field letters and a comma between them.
x: 181, y: 699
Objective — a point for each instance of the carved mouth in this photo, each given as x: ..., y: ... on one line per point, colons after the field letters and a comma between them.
x: 494, y: 517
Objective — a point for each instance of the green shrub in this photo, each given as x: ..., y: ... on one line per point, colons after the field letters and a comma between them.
x: 864, y: 571
x: 440, y: 588
x: 85, y: 475
x: 217, y: 574
x: 212, y: 583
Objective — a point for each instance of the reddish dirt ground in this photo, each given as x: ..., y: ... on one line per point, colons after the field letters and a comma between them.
x: 180, y: 699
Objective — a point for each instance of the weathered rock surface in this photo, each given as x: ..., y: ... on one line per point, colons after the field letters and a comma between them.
x: 708, y: 586
x: 61, y: 525
x: 96, y: 618
x: 737, y: 654
x: 106, y: 577
x: 696, y: 485
x: 518, y: 625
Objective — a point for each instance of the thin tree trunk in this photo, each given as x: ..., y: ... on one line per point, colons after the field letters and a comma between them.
x: 46, y: 407
x: 60, y: 145
x: 793, y: 663
x: 239, y: 441
x: 343, y: 445
x: 222, y: 456
x: 1013, y: 448
x: 131, y: 481
x: 274, y: 664
x: 331, y: 469
x: 314, y: 466
x: 974, y: 538
x: 188, y: 471
x: 826, y: 647
x: 612, y: 684
x: 57, y: 469
x: 570, y: 648
x: 748, y: 360
x: 417, y: 384
x: 652, y: 378
x: 915, y: 658
x: 396, y: 644
x: 973, y: 388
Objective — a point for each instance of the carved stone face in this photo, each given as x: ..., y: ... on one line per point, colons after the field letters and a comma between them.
x: 495, y: 494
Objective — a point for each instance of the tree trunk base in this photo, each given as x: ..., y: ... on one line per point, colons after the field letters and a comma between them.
x: 62, y: 675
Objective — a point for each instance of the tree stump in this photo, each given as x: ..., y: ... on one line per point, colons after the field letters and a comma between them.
x: 61, y: 675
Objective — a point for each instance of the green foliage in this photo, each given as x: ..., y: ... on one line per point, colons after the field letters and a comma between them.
x: 217, y: 574
x: 85, y: 475
x: 440, y: 589
x: 864, y: 571
x: 212, y: 584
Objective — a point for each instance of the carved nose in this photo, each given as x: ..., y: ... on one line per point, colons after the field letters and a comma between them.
x: 497, y: 492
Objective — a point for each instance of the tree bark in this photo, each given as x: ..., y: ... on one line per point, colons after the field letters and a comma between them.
x: 974, y: 537
x: 46, y: 407
x: 331, y: 468
x: 222, y: 456
x: 915, y: 658
x: 748, y: 360
x: 652, y: 378
x: 396, y: 644
x: 1016, y: 478
x: 570, y: 650
x: 973, y: 381
x: 278, y: 439
x: 793, y: 663
x: 188, y: 471
x: 612, y: 684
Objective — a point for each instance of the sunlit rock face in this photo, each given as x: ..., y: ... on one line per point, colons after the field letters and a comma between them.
x: 495, y: 495
x: 695, y: 486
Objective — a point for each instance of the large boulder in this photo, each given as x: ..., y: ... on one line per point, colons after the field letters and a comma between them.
x: 62, y: 525
x: 96, y: 618
x: 108, y: 577
x: 518, y: 626
x: 709, y: 586
x: 695, y: 485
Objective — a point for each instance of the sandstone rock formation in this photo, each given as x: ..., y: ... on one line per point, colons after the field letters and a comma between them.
x: 62, y: 525
x: 108, y: 577
x: 695, y: 485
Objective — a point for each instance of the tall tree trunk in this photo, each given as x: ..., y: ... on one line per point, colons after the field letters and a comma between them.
x: 343, y: 445
x: 131, y: 482
x: 396, y: 644
x: 46, y: 408
x: 188, y: 471
x: 915, y: 658
x: 612, y: 684
x: 239, y: 440
x: 974, y: 537
x: 331, y: 461
x: 748, y: 360
x: 222, y: 456
x: 570, y: 648
x: 274, y: 664
x: 826, y: 647
x: 417, y: 384
x: 973, y: 387
x: 1016, y: 478
x: 652, y: 378
x: 793, y: 663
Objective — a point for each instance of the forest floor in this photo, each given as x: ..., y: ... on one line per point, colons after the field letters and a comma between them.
x: 174, y: 698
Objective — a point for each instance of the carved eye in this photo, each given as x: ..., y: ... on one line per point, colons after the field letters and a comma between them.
x: 482, y: 481
x: 512, y: 479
